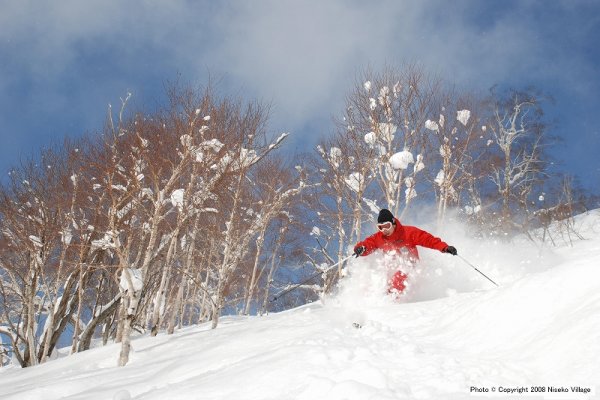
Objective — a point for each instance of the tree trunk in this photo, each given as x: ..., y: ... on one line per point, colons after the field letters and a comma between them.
x: 272, y: 269
x: 250, y: 292
x: 79, y: 307
x: 218, y: 303
x: 177, y: 304
x: 161, y: 297
x: 126, y: 343
x: 88, y: 333
x: 184, y: 277
x: 131, y: 301
x: 47, y: 336
x: 29, y: 353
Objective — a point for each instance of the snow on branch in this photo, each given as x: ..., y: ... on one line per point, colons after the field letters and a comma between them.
x: 131, y: 278
x: 463, y: 116
x: 278, y: 141
x: 401, y: 160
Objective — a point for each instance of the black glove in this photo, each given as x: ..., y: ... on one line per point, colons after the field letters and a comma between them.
x: 450, y: 250
x: 358, y: 250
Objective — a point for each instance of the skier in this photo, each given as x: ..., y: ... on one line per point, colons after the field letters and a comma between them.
x: 394, y: 237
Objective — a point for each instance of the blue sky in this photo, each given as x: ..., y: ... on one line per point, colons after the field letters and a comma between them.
x: 62, y: 62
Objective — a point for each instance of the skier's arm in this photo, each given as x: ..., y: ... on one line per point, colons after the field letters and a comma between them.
x: 426, y: 239
x: 369, y: 244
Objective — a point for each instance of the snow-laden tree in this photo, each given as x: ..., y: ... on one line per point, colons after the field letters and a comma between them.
x: 28, y: 233
x: 389, y: 113
x: 42, y: 231
x: 276, y: 190
x: 191, y: 147
x: 343, y: 172
x: 141, y: 227
x: 239, y: 232
x: 461, y: 141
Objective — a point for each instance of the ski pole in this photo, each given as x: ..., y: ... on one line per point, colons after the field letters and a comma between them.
x: 472, y: 266
x: 296, y: 286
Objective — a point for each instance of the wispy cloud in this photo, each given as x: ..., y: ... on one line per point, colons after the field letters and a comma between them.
x: 70, y: 57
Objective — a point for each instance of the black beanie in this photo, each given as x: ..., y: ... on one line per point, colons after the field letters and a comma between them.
x: 385, y: 215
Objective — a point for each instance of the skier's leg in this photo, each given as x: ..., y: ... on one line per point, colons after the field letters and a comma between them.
x: 397, y: 283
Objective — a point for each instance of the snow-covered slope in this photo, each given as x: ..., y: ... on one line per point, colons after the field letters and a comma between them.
x: 452, y: 332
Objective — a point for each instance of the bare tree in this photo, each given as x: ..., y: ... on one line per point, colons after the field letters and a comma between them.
x: 556, y: 219
x: 389, y: 112
x: 519, y: 134
x: 462, y: 140
x: 237, y: 235
x: 276, y: 188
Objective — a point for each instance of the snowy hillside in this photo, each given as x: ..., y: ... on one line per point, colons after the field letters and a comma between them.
x: 453, y: 331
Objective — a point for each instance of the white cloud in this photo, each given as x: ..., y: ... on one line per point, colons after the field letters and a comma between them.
x: 303, y: 56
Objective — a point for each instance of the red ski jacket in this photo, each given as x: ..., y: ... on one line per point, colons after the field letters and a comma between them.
x: 404, y: 239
